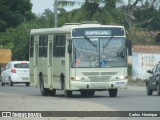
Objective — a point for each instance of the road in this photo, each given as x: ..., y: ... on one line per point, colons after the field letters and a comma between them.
x: 20, y: 98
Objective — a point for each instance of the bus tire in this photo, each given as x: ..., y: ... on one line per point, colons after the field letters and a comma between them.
x: 112, y: 92
x: 27, y: 84
x: 149, y: 91
x: 44, y: 91
x: 67, y: 93
x: 88, y: 93
x: 83, y: 93
x: 91, y: 93
x: 52, y: 92
x: 158, y: 89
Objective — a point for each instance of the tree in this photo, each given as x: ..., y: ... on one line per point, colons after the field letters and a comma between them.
x: 148, y: 18
x: 17, y: 39
x: 13, y: 12
x: 48, y: 18
x: 158, y: 37
x: 132, y: 7
x: 94, y: 9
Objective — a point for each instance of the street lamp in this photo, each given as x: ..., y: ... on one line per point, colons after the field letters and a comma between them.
x: 55, y: 13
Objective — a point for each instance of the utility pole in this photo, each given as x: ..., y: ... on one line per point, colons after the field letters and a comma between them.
x: 130, y: 14
x: 55, y: 13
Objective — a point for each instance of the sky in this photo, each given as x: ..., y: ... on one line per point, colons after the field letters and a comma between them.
x: 40, y: 5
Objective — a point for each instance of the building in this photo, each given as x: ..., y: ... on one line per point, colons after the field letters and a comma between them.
x: 144, y: 58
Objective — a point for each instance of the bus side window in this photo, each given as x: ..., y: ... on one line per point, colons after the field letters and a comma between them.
x: 31, y: 46
x: 43, y: 44
x: 59, y: 46
x: 55, y: 47
x: 63, y: 42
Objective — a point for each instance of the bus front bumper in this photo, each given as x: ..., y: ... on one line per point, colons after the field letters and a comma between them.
x: 78, y: 85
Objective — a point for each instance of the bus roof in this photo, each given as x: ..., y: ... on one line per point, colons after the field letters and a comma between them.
x: 83, y: 25
x: 50, y: 30
x: 68, y: 27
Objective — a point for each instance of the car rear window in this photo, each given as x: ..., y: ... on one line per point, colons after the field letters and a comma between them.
x: 21, y: 65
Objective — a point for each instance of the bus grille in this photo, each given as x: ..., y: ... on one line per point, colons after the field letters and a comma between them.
x: 99, y: 79
x: 99, y: 76
x: 99, y: 73
x: 90, y: 73
x: 108, y: 73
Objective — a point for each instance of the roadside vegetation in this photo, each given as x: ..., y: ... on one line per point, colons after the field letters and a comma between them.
x: 139, y: 17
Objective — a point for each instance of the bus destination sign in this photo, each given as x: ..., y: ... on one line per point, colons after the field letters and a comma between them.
x: 97, y: 32
x: 77, y: 32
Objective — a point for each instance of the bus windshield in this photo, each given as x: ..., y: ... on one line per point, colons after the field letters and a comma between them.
x: 99, y: 52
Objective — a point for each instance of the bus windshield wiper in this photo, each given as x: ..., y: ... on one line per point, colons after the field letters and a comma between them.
x: 108, y: 42
x: 92, y: 43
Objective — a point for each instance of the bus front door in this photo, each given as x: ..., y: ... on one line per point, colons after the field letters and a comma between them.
x: 35, y: 64
x: 49, y: 61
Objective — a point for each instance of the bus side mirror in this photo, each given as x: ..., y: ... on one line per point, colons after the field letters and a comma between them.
x: 129, y: 46
x: 149, y: 71
x: 70, y: 48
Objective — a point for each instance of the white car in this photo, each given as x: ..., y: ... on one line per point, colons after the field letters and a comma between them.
x: 16, y: 72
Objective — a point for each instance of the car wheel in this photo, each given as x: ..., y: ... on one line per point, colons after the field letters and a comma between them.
x: 149, y: 91
x: 10, y: 82
x: 27, y: 84
x: 2, y: 83
x: 112, y: 92
x: 158, y: 89
x: 44, y: 91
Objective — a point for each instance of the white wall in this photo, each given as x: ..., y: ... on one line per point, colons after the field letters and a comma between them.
x: 141, y: 62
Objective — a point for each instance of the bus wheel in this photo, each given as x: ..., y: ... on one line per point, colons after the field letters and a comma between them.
x: 86, y: 93
x: 112, y: 92
x: 52, y: 92
x: 44, y: 91
x: 91, y: 93
x: 83, y: 93
x: 67, y: 93
x: 27, y: 84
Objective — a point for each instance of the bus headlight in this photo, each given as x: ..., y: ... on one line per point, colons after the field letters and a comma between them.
x: 79, y: 78
x: 76, y: 78
x: 121, y: 77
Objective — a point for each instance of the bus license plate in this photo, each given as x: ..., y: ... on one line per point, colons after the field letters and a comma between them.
x: 120, y: 83
x: 25, y: 78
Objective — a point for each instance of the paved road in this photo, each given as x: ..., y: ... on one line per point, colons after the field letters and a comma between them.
x: 29, y: 98
x: 134, y: 98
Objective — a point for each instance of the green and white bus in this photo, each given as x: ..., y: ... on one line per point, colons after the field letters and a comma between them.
x: 82, y: 57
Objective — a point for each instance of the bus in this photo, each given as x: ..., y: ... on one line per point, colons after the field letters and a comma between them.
x: 83, y: 57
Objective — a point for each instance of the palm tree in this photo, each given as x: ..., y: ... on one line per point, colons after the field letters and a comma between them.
x: 91, y: 6
x: 58, y: 6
